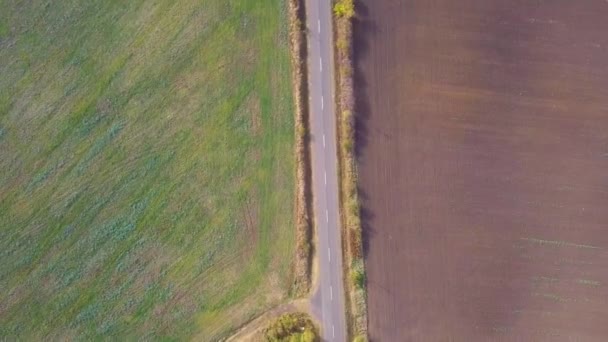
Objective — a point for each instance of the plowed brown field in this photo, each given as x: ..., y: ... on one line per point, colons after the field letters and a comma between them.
x: 483, y: 160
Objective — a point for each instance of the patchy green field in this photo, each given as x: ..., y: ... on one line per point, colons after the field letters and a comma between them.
x: 146, y: 167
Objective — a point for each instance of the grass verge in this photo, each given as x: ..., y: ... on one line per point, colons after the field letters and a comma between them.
x: 302, y: 268
x: 354, y: 264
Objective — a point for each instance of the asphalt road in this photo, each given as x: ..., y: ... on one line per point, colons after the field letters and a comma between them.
x: 328, y: 300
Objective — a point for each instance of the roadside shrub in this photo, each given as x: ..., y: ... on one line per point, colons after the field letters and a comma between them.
x: 345, y: 9
x: 358, y: 278
x: 309, y: 336
x: 292, y: 327
x: 358, y: 274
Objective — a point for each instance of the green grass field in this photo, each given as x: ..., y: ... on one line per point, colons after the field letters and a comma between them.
x: 146, y: 167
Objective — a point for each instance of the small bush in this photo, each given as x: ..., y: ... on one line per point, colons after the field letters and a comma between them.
x: 345, y: 9
x: 358, y: 278
x: 297, y: 327
x: 358, y: 274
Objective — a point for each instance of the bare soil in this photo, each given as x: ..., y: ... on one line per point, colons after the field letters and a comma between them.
x: 483, y: 161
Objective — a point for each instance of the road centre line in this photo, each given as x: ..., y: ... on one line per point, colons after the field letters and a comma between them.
x: 319, y: 25
x: 323, y: 140
x: 322, y: 102
x: 331, y: 293
x: 333, y: 331
x: 325, y: 177
x: 320, y: 64
x: 329, y: 254
x: 326, y: 215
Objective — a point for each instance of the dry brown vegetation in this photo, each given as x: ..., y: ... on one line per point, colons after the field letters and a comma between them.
x: 353, y: 249
x: 302, y: 261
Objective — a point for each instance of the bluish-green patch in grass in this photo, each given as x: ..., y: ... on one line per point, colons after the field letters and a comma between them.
x: 4, y: 30
x: 99, y: 146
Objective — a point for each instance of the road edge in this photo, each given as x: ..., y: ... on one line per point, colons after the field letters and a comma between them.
x: 354, y: 265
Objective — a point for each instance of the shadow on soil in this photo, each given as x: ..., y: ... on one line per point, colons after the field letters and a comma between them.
x: 363, y: 31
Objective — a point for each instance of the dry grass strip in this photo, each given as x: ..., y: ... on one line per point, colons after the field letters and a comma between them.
x: 344, y: 13
x: 302, y: 267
